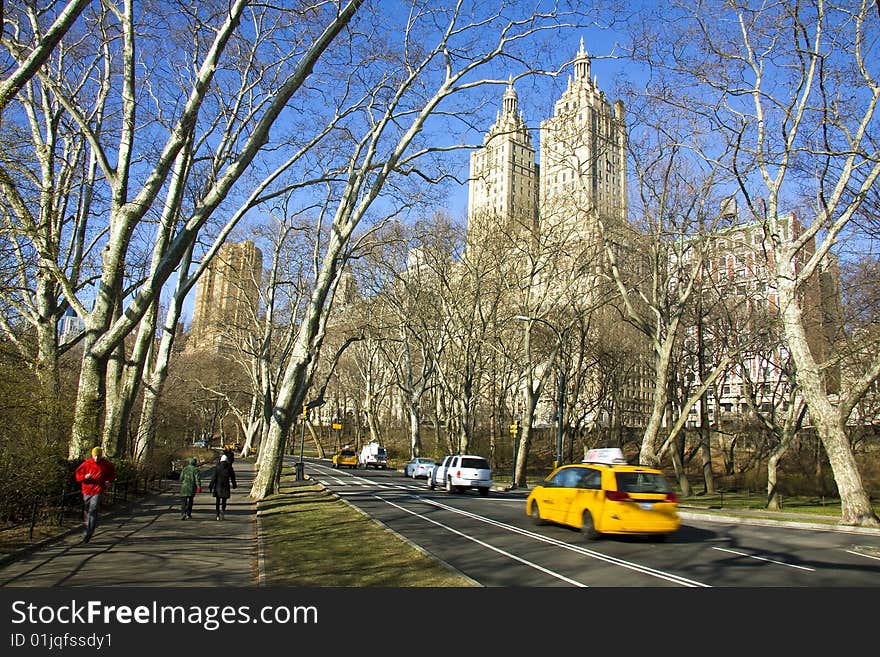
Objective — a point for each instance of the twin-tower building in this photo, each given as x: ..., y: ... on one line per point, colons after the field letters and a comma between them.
x: 582, y: 175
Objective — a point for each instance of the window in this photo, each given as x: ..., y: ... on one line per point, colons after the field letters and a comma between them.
x: 475, y: 462
x: 570, y: 478
x: 590, y: 478
x: 641, y: 482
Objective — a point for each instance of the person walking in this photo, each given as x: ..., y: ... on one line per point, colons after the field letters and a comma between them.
x: 94, y: 474
x: 221, y: 481
x: 190, y: 484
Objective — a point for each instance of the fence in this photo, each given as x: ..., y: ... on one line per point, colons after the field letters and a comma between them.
x: 67, y: 506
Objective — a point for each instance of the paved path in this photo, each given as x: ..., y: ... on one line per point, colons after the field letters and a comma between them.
x: 151, y: 546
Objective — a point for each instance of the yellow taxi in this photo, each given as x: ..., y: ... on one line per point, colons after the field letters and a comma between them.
x: 606, y: 495
x: 345, y: 457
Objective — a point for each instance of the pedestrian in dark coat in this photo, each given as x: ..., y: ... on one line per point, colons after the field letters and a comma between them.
x: 190, y: 484
x: 221, y: 481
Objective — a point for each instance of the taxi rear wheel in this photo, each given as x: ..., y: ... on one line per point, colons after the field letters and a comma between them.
x: 535, y: 515
x: 588, y: 527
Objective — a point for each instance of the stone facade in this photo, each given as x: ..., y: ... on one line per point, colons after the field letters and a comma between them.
x: 227, y: 297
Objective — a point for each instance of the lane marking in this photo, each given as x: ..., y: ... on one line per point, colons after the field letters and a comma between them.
x: 754, y: 556
x: 862, y: 554
x: 509, y: 555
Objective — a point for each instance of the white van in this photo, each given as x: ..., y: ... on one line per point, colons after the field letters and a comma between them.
x: 373, y: 455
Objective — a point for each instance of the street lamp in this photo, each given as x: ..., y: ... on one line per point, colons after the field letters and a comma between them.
x: 560, y: 401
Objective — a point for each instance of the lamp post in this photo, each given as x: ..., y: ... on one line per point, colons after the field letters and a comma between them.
x: 560, y: 399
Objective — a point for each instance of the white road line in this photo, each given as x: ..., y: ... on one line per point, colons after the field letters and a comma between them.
x: 862, y: 554
x: 646, y: 570
x: 352, y: 482
x: 754, y: 556
x: 530, y: 564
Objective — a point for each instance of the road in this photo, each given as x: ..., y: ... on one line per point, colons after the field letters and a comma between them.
x: 493, y: 542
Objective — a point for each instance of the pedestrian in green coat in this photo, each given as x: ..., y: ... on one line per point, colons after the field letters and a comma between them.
x: 190, y: 484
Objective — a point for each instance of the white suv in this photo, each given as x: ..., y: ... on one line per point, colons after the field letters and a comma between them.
x: 461, y: 471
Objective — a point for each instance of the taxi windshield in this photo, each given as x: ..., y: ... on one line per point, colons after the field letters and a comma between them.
x: 642, y: 482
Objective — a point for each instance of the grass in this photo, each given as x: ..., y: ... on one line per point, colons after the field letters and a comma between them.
x: 745, y: 503
x: 312, y: 538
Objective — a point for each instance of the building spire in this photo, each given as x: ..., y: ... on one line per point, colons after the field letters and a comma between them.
x: 510, y: 98
x: 582, y: 64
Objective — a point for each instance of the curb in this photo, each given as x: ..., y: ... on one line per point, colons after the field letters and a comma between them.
x: 781, y: 522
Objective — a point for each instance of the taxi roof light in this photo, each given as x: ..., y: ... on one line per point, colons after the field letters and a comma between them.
x: 606, y: 456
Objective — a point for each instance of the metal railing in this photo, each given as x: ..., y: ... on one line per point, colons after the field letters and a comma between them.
x: 67, y: 505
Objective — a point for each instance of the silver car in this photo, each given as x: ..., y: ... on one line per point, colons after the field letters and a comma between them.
x: 419, y: 468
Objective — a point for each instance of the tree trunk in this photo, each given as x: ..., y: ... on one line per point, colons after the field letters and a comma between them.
x: 415, y: 440
x: 648, y: 452
x: 678, y: 466
x: 47, y: 371
x: 89, y: 410
x: 773, y: 477
x: 855, y: 505
x: 316, y: 439
x: 119, y: 412
x: 525, y: 441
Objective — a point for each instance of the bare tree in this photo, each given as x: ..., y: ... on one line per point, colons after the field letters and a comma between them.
x: 242, y: 118
x: 793, y: 87
x: 656, y: 269
x: 30, y: 38
x: 407, y: 91
x: 405, y: 276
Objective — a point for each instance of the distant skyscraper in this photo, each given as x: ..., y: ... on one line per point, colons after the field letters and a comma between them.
x: 583, y: 159
x: 227, y: 297
x: 70, y: 325
x: 504, y: 177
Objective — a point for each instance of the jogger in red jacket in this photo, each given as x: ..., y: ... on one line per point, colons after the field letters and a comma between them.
x: 94, y: 474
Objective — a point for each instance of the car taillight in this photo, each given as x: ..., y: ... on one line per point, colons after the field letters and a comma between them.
x: 671, y: 497
x: 458, y: 473
x: 616, y: 495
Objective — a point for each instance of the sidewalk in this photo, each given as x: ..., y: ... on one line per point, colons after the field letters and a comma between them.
x: 150, y: 545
